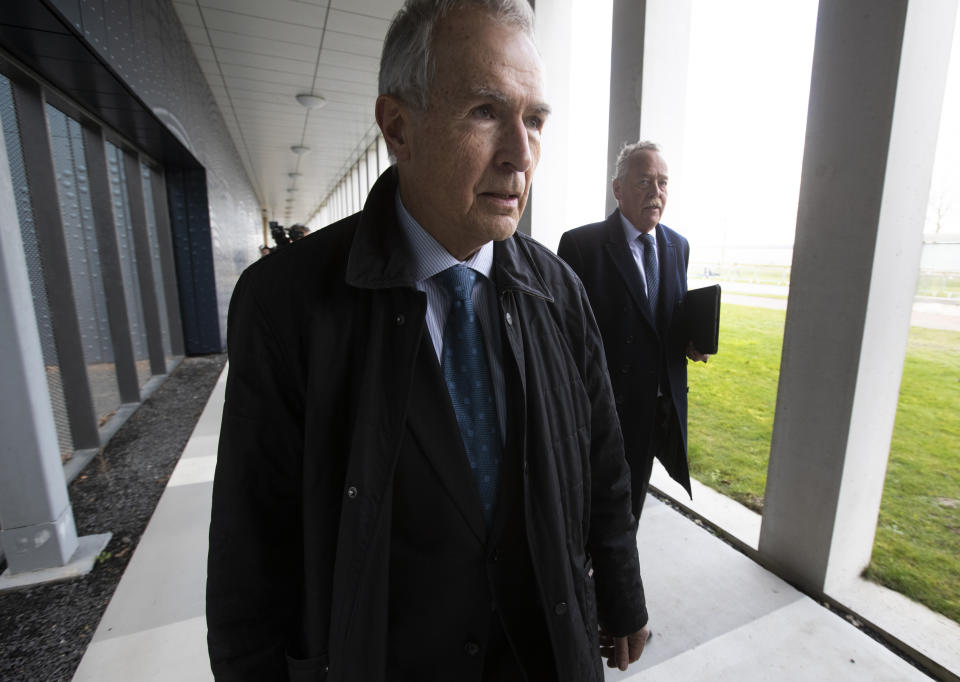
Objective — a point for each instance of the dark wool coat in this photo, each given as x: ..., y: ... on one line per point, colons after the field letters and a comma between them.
x: 640, y: 353
x: 322, y: 340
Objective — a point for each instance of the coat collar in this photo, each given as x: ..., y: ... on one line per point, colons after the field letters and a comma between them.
x: 513, y: 268
x: 614, y: 230
x: 379, y: 257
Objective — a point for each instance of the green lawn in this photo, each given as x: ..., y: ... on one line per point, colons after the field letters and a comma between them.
x: 917, y: 550
x: 930, y: 283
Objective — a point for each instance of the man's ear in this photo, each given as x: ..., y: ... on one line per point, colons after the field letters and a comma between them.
x: 393, y: 117
x: 616, y: 188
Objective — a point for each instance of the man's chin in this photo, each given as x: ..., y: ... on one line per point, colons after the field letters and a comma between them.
x: 499, y: 228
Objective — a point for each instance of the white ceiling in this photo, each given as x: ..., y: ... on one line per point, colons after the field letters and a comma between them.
x: 257, y: 55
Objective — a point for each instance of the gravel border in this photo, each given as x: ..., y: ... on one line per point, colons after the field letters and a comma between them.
x: 45, y: 630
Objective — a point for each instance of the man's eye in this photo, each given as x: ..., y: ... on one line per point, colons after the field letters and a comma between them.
x: 483, y: 112
x: 535, y: 122
x: 643, y: 183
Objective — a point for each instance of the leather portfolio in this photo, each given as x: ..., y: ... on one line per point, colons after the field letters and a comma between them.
x: 701, y: 311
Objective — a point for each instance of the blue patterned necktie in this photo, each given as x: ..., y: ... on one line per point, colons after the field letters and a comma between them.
x: 651, y: 270
x: 467, y: 375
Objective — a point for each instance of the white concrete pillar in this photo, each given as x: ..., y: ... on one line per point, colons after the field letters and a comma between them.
x: 38, y: 530
x: 573, y: 37
x: 548, y: 219
x: 34, y: 510
x: 877, y: 86
x: 626, y: 81
x: 666, y: 66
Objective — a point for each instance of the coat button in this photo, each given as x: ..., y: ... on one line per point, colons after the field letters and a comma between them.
x: 472, y: 648
x: 400, y: 319
x: 625, y: 369
x: 560, y: 608
x: 629, y: 339
x: 352, y: 492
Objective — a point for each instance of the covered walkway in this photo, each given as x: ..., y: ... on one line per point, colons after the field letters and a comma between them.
x: 716, y: 614
x: 150, y: 145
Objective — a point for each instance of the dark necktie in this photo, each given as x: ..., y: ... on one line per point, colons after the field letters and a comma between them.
x: 467, y: 375
x: 651, y: 269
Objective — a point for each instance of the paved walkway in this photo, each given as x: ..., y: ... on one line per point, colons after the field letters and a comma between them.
x: 716, y: 614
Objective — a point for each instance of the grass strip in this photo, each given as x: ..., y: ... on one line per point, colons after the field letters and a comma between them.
x: 732, y: 402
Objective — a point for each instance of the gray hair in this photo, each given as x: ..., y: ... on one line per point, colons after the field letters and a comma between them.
x: 406, y: 64
x: 629, y: 149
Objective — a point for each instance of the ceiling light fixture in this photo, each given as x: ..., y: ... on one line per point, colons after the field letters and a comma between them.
x: 294, y: 174
x: 299, y: 149
x: 311, y: 101
x: 291, y: 189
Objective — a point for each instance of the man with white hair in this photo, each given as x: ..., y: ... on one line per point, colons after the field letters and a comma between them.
x: 635, y: 271
x: 421, y: 476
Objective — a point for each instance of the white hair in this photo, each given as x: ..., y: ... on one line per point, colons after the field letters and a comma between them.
x: 629, y: 149
x: 406, y: 64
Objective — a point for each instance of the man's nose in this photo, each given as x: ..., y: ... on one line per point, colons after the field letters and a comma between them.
x: 516, y: 149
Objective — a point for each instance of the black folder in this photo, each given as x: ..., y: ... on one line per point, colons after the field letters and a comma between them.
x: 701, y: 312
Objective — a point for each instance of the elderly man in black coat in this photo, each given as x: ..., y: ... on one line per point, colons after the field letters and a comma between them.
x: 635, y: 271
x: 421, y: 476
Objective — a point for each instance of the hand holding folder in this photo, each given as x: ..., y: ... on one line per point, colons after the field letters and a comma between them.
x: 701, y: 316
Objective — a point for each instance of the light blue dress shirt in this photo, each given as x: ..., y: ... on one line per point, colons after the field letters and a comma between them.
x: 636, y: 247
x: 430, y: 258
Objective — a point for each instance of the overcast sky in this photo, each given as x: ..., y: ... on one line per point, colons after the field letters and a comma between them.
x: 748, y: 84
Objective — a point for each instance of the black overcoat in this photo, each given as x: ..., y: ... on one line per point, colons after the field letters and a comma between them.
x: 641, y: 352
x: 322, y: 338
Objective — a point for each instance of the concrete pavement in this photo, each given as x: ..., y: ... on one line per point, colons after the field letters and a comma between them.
x: 716, y: 614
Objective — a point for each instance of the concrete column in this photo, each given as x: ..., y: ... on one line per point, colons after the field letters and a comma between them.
x: 101, y: 202
x: 626, y: 81
x: 38, y: 530
x: 546, y: 206
x: 51, y: 242
x: 571, y: 181
x: 876, y: 94
x: 145, y: 274
x: 167, y: 265
x: 648, y: 78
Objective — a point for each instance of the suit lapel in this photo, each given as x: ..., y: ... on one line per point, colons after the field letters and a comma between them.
x: 434, y: 426
x: 622, y: 258
x: 668, y: 274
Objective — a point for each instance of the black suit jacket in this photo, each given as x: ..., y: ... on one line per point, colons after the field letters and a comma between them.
x: 642, y: 352
x: 450, y: 573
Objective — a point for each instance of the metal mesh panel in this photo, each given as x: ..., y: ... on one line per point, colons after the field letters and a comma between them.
x: 155, y: 260
x: 41, y: 308
x: 69, y: 161
x: 128, y: 261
